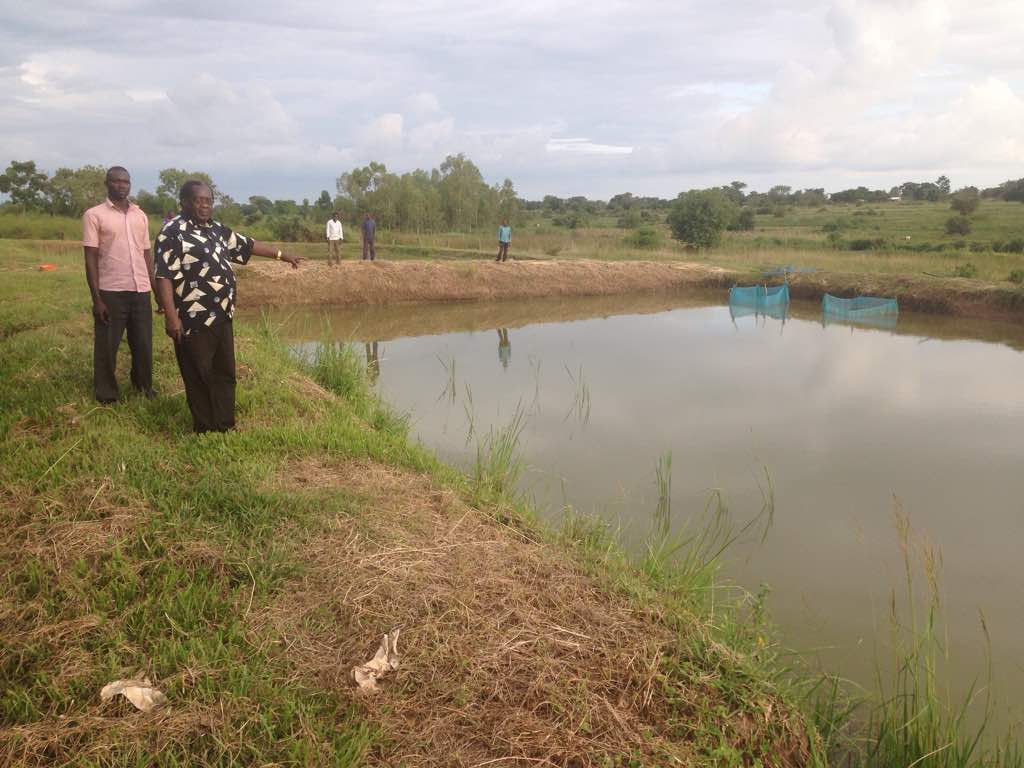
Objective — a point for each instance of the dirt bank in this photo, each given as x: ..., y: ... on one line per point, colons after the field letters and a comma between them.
x: 386, y: 282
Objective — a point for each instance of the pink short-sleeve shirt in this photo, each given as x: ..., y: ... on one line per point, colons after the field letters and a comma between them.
x: 121, y: 239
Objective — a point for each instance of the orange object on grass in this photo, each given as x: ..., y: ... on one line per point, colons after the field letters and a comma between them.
x: 47, y: 267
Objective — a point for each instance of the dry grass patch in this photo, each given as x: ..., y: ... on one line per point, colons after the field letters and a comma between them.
x: 509, y: 654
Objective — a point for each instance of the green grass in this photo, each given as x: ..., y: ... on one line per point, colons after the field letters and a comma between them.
x: 130, y: 544
x: 905, y: 238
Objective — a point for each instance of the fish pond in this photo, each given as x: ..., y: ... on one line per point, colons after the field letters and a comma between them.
x: 842, y: 432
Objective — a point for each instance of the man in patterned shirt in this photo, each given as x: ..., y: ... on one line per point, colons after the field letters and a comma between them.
x: 195, y: 286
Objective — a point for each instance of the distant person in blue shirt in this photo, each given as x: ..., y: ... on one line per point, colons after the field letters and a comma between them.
x: 504, y: 238
x: 369, y: 235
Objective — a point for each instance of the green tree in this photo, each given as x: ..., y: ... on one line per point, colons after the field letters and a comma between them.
x: 171, y: 180
x: 359, y: 182
x: 72, y: 191
x: 735, y: 191
x: 324, y: 204
x: 699, y: 217
x: 229, y: 212
x: 508, y: 202
x: 965, y: 202
x: 461, y: 187
x: 27, y: 187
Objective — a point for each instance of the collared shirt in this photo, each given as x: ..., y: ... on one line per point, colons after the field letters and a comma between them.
x: 369, y: 230
x: 334, y: 229
x: 504, y: 234
x: 197, y: 258
x: 121, y: 238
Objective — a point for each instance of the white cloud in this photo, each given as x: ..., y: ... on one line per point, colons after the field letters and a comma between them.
x: 673, y: 94
x: 383, y: 132
x: 585, y: 147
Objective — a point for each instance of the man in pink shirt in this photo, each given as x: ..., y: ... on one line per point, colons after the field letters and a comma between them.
x: 118, y: 267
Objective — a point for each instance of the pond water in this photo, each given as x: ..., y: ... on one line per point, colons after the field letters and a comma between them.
x: 850, y: 424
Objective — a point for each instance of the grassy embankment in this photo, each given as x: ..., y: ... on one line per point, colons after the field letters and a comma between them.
x: 247, y: 573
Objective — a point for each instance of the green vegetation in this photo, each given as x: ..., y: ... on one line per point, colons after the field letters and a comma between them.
x: 699, y: 217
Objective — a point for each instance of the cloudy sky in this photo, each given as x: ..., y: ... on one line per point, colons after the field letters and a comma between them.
x: 589, y: 97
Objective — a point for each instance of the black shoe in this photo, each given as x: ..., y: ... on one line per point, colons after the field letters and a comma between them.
x: 106, y: 400
x: 151, y: 394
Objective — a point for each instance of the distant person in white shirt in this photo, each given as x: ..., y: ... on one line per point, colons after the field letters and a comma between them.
x: 334, y: 238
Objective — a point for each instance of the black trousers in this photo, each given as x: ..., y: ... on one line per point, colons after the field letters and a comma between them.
x: 131, y: 311
x: 502, y: 251
x: 369, y: 250
x: 206, y: 360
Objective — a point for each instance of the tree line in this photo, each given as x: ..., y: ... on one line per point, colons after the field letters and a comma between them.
x: 455, y: 197
x: 452, y: 197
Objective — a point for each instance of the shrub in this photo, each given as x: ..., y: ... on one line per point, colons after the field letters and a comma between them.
x: 698, y: 217
x: 965, y: 270
x: 958, y: 225
x: 864, y: 244
x: 1017, y: 276
x: 644, y: 237
x: 629, y: 220
x: 744, y: 221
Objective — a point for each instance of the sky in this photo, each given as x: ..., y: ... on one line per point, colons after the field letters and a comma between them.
x: 580, y: 97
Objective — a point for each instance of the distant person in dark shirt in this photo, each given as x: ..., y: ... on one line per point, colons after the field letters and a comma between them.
x: 195, y: 286
x: 504, y: 240
x: 369, y: 234
x: 504, y: 347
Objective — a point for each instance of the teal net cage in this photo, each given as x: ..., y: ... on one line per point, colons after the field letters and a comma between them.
x: 870, y: 311
x: 859, y: 308
x: 759, y: 297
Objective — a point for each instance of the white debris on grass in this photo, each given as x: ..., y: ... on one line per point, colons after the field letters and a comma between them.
x: 140, y: 693
x: 384, y: 661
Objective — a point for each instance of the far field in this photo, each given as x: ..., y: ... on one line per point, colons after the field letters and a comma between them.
x: 904, y: 238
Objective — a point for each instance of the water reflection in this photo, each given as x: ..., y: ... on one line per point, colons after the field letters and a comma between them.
x: 880, y: 322
x: 504, y: 347
x: 761, y: 314
x: 372, y: 361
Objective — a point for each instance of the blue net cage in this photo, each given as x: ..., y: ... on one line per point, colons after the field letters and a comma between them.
x: 759, y: 297
x: 859, y: 308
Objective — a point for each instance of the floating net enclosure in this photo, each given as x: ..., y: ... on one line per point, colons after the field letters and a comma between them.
x: 873, y: 311
x: 861, y: 307
x: 759, y: 297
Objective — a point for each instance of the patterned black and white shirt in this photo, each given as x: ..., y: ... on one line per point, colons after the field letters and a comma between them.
x: 197, y: 258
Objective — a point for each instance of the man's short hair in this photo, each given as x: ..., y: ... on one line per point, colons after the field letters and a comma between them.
x: 335, y: 214
x: 113, y: 168
x: 188, y: 189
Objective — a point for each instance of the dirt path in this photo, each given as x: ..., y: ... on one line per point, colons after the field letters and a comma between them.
x: 388, y: 282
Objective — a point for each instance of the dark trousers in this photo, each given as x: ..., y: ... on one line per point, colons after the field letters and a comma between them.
x: 369, y: 252
x: 206, y: 360
x: 502, y: 251
x: 131, y: 311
